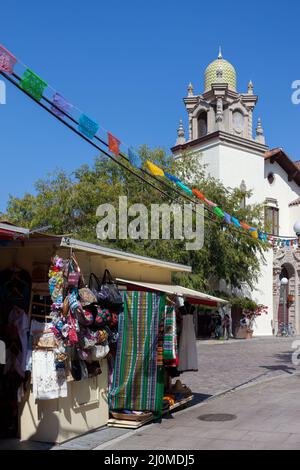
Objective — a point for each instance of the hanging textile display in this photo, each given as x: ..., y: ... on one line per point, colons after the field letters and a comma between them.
x: 7, y: 60
x: 138, y: 381
x: 170, y: 335
x: 188, y: 359
x: 48, y: 382
x: 61, y: 103
x: 33, y: 84
x: 87, y: 126
x: 113, y: 144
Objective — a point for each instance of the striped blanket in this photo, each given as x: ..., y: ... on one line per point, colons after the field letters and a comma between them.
x: 170, y: 335
x: 138, y: 381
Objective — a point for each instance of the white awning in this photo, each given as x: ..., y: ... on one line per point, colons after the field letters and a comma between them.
x: 122, y: 255
x: 175, y: 290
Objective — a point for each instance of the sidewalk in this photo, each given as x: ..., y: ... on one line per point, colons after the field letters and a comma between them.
x: 261, y: 416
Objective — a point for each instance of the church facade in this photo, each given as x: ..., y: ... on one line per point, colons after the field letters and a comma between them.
x: 220, y: 131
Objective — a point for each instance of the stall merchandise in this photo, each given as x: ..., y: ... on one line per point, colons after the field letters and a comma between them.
x: 84, y: 322
x: 148, y: 356
x: 138, y: 380
x: 15, y: 285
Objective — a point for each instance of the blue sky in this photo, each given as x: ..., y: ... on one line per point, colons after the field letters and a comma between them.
x: 127, y: 65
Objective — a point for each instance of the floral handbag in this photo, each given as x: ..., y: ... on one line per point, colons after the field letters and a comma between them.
x: 87, y: 297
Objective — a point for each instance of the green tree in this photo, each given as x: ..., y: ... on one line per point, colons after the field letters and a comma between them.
x: 68, y: 203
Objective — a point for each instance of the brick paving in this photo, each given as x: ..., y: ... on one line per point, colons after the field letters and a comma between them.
x: 226, y: 365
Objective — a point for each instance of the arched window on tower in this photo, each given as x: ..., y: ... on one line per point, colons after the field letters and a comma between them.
x: 202, y: 124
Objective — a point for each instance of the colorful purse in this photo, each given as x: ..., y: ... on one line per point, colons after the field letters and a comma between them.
x: 84, y: 317
x: 73, y: 273
x: 87, y: 297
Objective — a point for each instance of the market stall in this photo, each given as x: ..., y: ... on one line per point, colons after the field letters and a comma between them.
x: 157, y: 343
x: 58, y: 397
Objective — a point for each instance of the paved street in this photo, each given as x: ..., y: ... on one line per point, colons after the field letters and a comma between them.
x: 226, y: 366
x: 222, y: 367
x: 263, y: 416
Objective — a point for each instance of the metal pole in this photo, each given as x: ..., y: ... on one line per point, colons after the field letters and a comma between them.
x: 284, y: 307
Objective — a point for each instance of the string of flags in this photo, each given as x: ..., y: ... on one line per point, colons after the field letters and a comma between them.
x: 35, y: 86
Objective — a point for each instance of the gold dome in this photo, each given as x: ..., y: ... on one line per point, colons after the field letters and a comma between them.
x: 220, y: 71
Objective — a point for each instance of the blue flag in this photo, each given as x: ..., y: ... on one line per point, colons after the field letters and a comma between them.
x: 134, y: 159
x: 172, y: 178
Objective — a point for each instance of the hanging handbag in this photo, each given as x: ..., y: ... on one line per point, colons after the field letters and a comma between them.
x: 73, y: 273
x: 95, y: 286
x: 87, y: 297
x: 84, y: 316
x: 109, y: 295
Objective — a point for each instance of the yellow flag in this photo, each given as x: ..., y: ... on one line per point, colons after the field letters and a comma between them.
x: 155, y: 170
x: 254, y: 234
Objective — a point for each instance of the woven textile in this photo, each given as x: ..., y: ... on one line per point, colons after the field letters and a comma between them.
x: 138, y: 381
x: 170, y: 335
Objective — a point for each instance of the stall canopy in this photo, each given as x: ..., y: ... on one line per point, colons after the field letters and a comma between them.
x: 11, y: 232
x: 190, y: 295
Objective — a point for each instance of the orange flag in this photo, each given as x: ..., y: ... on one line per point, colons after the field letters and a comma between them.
x: 198, y: 194
x: 113, y: 144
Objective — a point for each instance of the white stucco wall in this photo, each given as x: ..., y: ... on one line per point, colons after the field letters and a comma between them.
x: 263, y: 294
x: 236, y: 165
x: 231, y: 165
x: 284, y: 192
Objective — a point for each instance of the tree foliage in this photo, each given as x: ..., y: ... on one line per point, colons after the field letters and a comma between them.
x: 69, y: 202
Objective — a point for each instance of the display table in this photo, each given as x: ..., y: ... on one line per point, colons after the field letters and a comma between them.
x: 83, y: 410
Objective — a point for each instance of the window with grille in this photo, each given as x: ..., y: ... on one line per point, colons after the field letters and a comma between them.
x: 272, y: 220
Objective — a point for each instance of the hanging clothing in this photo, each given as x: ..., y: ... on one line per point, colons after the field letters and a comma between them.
x: 138, y: 381
x: 17, y: 341
x: 15, y: 290
x: 188, y: 358
x: 2, y: 352
x: 48, y: 383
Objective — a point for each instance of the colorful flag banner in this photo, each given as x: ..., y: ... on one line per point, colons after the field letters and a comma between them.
x: 172, y: 178
x: 33, y: 84
x: 134, y: 159
x: 198, y: 194
x: 87, y: 126
x: 245, y: 226
x: 60, y: 102
x: 113, y: 144
x: 260, y: 235
x: 254, y: 234
x: 210, y: 203
x: 7, y: 60
x: 227, y: 218
x: 219, y: 212
x: 154, y: 169
x: 236, y: 222
x: 185, y: 188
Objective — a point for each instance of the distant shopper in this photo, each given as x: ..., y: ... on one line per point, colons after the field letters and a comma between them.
x: 227, y: 324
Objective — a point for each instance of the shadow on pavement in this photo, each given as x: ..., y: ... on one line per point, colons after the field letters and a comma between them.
x: 282, y: 368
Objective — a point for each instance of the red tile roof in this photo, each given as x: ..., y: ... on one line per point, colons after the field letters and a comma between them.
x: 291, y: 167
